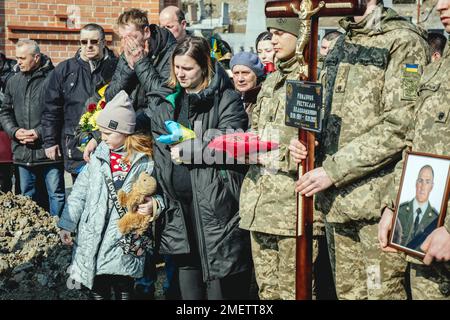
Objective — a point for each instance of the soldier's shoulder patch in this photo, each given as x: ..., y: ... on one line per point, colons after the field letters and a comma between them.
x: 410, y: 81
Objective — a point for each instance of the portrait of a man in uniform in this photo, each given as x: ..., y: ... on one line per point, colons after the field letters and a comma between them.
x: 417, y: 218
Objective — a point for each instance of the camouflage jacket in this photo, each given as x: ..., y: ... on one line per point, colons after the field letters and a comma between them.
x: 267, y: 202
x: 431, y: 131
x: 372, y: 75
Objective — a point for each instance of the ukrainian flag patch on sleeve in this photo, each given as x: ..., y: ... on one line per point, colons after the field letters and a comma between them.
x: 410, y: 81
x: 412, y: 68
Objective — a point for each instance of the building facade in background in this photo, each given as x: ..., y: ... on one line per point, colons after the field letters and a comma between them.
x: 55, y: 24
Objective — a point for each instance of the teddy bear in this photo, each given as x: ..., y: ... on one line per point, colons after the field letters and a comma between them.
x: 144, y: 186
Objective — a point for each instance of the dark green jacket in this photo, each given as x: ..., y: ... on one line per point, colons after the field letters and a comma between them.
x: 406, y: 218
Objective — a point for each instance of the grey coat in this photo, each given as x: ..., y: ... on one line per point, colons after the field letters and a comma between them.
x: 86, y: 212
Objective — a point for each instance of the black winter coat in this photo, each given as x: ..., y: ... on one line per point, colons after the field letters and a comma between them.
x: 224, y: 248
x: 150, y: 73
x: 7, y: 70
x: 22, y: 108
x: 70, y: 85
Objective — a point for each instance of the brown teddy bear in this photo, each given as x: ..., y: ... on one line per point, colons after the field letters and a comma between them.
x: 144, y: 186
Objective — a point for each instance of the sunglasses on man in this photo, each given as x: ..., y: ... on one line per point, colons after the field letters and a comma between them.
x: 93, y: 42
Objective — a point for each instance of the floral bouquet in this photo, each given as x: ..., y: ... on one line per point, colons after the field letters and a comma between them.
x: 88, y: 121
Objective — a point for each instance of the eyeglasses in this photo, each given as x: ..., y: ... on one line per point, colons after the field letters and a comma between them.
x: 93, y: 42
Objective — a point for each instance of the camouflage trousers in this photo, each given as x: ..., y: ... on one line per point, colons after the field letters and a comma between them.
x: 360, y: 269
x: 274, y: 262
x: 430, y: 282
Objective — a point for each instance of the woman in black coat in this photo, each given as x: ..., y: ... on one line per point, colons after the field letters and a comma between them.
x: 200, y: 227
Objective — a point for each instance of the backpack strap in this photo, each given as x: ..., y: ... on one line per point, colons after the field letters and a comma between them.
x: 113, y: 195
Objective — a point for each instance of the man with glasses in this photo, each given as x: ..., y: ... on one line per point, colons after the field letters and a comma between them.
x: 71, y: 85
x: 417, y: 218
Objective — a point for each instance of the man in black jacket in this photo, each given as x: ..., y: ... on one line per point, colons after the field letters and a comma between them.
x: 144, y: 65
x: 6, y: 167
x: 20, y: 116
x: 71, y: 84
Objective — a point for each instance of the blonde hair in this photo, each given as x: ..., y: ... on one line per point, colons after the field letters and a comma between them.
x: 138, y: 143
x: 198, y: 49
x: 134, y: 16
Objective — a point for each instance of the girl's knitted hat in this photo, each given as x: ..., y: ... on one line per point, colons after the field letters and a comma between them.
x: 118, y: 114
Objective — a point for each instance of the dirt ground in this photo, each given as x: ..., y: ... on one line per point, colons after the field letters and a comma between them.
x: 35, y: 265
x: 33, y: 262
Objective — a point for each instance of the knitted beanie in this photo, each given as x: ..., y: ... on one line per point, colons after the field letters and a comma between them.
x: 118, y: 115
x: 291, y: 25
x: 250, y: 60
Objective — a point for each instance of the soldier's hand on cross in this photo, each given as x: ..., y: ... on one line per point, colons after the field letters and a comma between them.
x: 312, y: 182
x: 297, y: 151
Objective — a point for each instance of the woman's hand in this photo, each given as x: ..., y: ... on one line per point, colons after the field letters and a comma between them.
x: 175, y: 154
x: 66, y: 237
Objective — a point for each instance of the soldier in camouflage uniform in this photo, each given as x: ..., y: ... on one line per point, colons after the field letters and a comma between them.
x: 267, y: 203
x: 371, y: 78
x: 430, y: 134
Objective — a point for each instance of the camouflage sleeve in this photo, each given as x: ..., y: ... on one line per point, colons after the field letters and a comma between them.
x: 255, y: 114
x: 392, y: 185
x: 381, y: 144
x: 285, y: 161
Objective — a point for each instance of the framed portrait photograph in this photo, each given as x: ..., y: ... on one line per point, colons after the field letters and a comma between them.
x: 421, y: 201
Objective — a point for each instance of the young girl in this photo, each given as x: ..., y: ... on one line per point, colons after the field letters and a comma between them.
x: 99, y: 263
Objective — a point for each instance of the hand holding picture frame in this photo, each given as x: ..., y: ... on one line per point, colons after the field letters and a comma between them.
x: 421, y: 201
